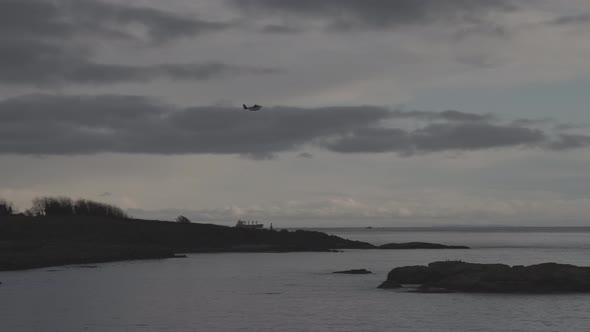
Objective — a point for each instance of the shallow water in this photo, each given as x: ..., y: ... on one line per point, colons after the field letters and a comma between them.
x: 296, y: 291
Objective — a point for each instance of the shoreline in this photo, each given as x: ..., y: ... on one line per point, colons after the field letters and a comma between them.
x: 38, y: 242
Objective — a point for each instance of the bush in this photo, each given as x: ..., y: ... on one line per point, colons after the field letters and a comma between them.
x: 6, y: 208
x: 183, y: 220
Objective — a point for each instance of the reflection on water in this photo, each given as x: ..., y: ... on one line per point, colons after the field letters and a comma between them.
x: 295, y: 291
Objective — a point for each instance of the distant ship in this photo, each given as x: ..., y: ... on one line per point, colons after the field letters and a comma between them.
x: 249, y: 224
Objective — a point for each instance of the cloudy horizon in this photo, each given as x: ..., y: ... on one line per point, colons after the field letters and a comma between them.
x: 376, y: 112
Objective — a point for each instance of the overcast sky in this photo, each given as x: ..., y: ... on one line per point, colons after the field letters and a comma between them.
x: 376, y: 112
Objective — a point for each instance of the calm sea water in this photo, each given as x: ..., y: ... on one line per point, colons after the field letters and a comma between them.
x: 296, y: 291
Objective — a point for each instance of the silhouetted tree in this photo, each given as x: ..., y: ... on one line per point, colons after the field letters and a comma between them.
x: 183, y: 220
x: 83, y: 207
x: 63, y: 206
x: 37, y: 207
x: 6, y: 208
x: 52, y: 206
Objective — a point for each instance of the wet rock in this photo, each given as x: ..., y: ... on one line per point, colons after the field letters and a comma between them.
x: 390, y: 284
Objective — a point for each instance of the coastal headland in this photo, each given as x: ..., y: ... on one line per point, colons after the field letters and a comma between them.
x: 32, y: 242
x: 39, y: 241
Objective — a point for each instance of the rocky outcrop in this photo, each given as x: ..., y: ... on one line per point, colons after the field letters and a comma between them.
x: 419, y: 245
x: 457, y: 276
x: 357, y: 271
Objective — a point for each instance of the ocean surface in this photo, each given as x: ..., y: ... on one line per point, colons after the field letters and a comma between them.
x: 297, y: 291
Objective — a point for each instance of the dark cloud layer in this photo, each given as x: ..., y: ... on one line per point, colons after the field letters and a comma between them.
x: 40, y: 63
x: 160, y: 26
x: 44, y: 124
x: 280, y: 29
x: 45, y: 42
x: 449, y: 115
x: 572, y: 19
x: 378, y: 14
x: 84, y: 18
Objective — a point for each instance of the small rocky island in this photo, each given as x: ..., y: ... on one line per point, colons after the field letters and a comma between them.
x: 354, y: 271
x: 458, y: 276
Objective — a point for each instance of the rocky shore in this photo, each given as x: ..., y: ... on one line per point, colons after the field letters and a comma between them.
x: 458, y: 276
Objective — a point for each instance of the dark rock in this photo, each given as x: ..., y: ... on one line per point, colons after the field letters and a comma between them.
x: 419, y: 245
x: 389, y: 284
x: 358, y: 271
x: 410, y: 275
x: 460, y: 276
x: 432, y: 290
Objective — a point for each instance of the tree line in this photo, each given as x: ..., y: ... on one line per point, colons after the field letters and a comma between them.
x: 6, y: 208
x: 64, y: 206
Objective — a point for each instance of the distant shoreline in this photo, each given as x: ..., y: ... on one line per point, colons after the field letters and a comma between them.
x: 35, y: 242
x: 475, y: 229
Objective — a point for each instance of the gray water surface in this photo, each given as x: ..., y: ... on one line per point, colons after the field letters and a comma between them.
x: 295, y: 291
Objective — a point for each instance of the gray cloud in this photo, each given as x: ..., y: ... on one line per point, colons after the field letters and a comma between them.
x: 572, y: 19
x: 160, y: 26
x: 569, y: 141
x: 280, y: 29
x: 345, y: 15
x: 370, y: 140
x: 70, y: 18
x: 46, y: 42
x: 536, y: 122
x: 305, y: 155
x: 41, y: 63
x: 568, y: 126
x: 437, y: 138
x: 554, y: 124
x: 44, y: 124
x: 449, y: 115
x: 474, y: 136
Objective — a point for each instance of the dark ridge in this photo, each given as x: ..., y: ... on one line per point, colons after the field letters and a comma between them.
x: 458, y: 276
x: 32, y: 242
x: 419, y: 245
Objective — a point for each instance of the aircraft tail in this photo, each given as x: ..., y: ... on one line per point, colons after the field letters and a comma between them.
x: 245, y: 107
